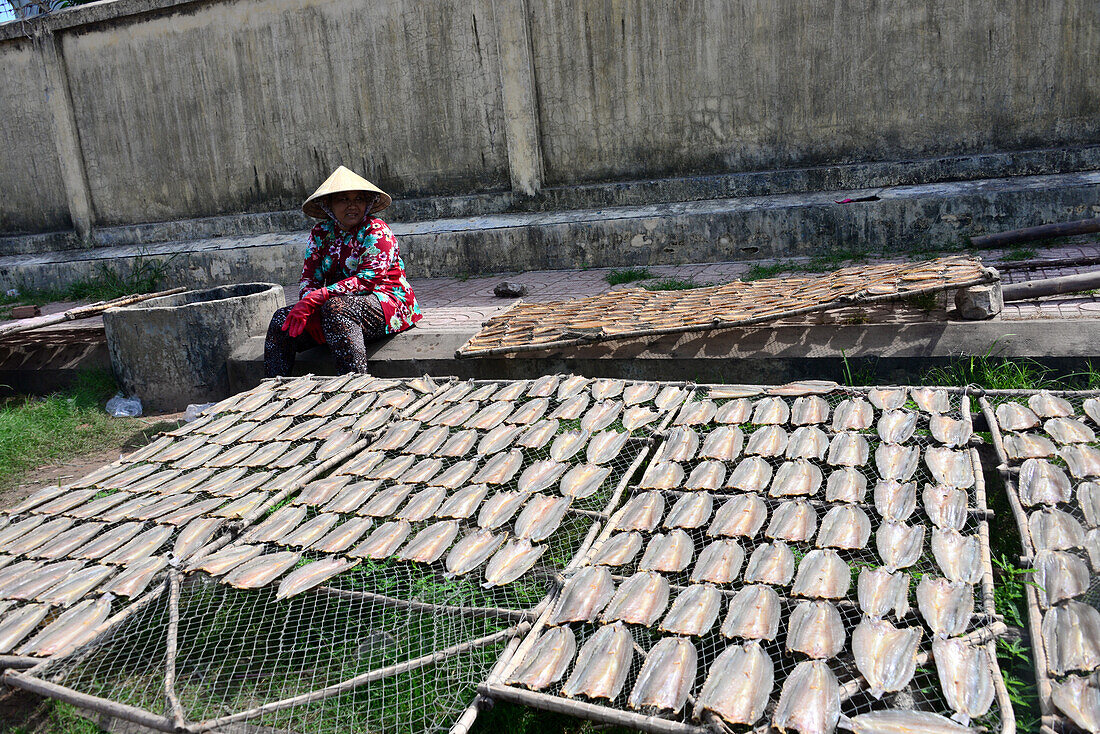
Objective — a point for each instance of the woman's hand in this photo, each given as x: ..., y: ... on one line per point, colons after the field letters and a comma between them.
x: 299, y: 314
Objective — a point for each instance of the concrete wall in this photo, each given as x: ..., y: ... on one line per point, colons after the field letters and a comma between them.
x: 168, y: 109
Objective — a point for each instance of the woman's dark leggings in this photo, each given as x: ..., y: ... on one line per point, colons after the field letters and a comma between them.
x: 348, y: 322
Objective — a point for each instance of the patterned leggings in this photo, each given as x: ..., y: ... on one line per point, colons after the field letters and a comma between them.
x: 348, y: 322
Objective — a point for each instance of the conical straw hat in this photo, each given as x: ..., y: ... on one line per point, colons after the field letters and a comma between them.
x: 343, y: 179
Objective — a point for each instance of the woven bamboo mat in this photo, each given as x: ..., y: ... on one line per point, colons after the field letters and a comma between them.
x: 636, y: 312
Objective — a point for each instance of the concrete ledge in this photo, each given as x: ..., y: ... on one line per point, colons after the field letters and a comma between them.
x: 884, y: 353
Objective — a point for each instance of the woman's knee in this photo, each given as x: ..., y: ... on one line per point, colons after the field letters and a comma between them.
x: 279, y: 318
x: 333, y: 307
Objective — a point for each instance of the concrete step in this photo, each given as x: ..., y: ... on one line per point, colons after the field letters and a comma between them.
x: 889, y: 219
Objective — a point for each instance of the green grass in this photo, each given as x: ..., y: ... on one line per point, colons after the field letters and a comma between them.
x: 924, y: 301
x: 38, y: 431
x: 833, y: 260
x: 674, y: 284
x: 1019, y: 253
x: 628, y: 275
x: 146, y: 275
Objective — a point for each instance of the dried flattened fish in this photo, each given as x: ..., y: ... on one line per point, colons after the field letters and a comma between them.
x: 68, y: 541
x: 583, y: 596
x: 694, y: 611
x: 641, y: 599
x: 352, y: 498
x: 108, y: 541
x: 897, y: 426
x: 310, y: 531
x: 606, y: 388
x: 886, y: 655
x: 848, y: 449
x: 807, y: 442
x: 499, y: 509
x: 430, y: 543
x: 1078, y: 697
x: 706, y: 475
x: 897, y: 462
x: 456, y: 475
x: 570, y: 386
x: 1088, y: 497
x: 690, y: 511
x: 323, y: 490
x: 1046, y: 405
x: 65, y: 502
x: 1028, y: 446
x: 815, y: 629
x: 583, y: 480
x: 965, y: 676
x: 373, y: 420
x: 18, y: 623
x: 1091, y: 406
x: 512, y: 561
x: 225, y: 560
x: 931, y: 400
x: 1059, y: 576
x: 459, y: 444
x: 42, y: 495
x: 662, y: 475
x: 544, y: 387
x: 887, y: 398
x: 76, y: 585
x: 950, y: 468
x: 822, y: 574
x: 796, y: 478
x: 738, y: 684
x: 426, y: 443
x: 670, y: 397
x: 529, y: 412
x: 640, y: 392
x: 1053, y: 529
x: 753, y: 614
x: 261, y: 570
x: 618, y: 550
x: 70, y: 630
x: 845, y: 485
x: 767, y: 441
x: 671, y: 552
x: 734, y: 412
x: 895, y: 501
x: 881, y: 592
x: 601, y: 415
x: 666, y: 677
x: 853, y: 414
x: 423, y: 504
x: 946, y: 606
x: 719, y: 562
x: 605, y: 446
x: 36, y: 536
x: 538, y: 435
x: 384, y: 541
x: 809, y: 410
x: 397, y: 436
x: 795, y: 521
x: 899, y: 545
x: 809, y: 702
x: 572, y: 408
x: 1083, y: 461
x: 637, y: 417
x: 278, y: 524
x: 422, y: 472
x: 641, y: 512
x: 1043, y: 483
x: 742, y: 516
x: 946, y: 507
x: 242, y: 506
x: 771, y: 563
x: 1069, y: 430
x: 696, y: 413
x: 541, y: 516
x: 723, y: 443
x: 751, y: 475
x: 464, y: 502
x: 770, y: 411
x: 142, y: 546
x: 949, y: 431
x: 602, y: 665
x: 540, y: 475
x: 498, y: 439
x: 1015, y: 417
x: 1071, y: 634
x: 958, y: 555
x: 547, y: 661
x: 844, y: 526
x: 500, y: 468
x: 312, y: 575
x: 194, y: 536
x: 343, y: 537
x: 38, y: 579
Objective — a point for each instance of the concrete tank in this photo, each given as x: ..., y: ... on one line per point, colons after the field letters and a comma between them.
x: 172, y: 351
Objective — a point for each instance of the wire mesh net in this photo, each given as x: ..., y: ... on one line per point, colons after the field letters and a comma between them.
x: 1051, y: 461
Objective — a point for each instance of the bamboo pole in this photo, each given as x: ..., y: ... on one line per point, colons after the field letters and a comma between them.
x: 419, y: 606
x: 19, y: 662
x: 1040, y: 232
x: 1003, y: 467
x: 1004, y: 701
x: 83, y: 312
x: 171, y: 647
x: 99, y: 705
x: 983, y: 537
x: 359, y: 680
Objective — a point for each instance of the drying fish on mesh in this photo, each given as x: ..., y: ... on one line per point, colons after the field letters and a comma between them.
x: 538, y: 435
x: 807, y: 442
x: 547, y: 661
x: 694, y: 611
x: 602, y: 665
x: 583, y: 596
x: 491, y: 416
x: 574, y: 384
x: 1059, y: 576
x: 601, y: 415
x: 344, y: 536
x: 1069, y: 430
x: 734, y: 412
x: 931, y: 400
x: 770, y: 411
x: 456, y: 475
x: 848, y: 449
x: 950, y: 432
x: 719, y: 562
x: 638, y: 417
x: 671, y: 552
x: 544, y: 387
x: 312, y: 575
x: 882, y: 592
x: 895, y: 501
x: 500, y: 508
x: 822, y: 574
x: 583, y: 480
x: 1083, y: 461
x: 886, y: 655
x: 471, y: 551
x: 752, y: 474
x: 738, y: 685
x: 845, y: 485
x: 568, y: 444
x: 541, y: 516
x: 696, y: 413
x: 605, y: 446
x: 618, y: 550
x: 384, y: 541
x: 1043, y: 483
x: 262, y: 570
x: 1053, y: 529
x: 950, y: 468
x: 572, y: 408
x: 499, y: 469
x: 798, y: 477
x: 641, y: 599
x: 1028, y: 446
x: 529, y: 412
x: 965, y: 676
x: 846, y: 527
x: 666, y: 677
x: 706, y: 475
x: 770, y: 563
x: 795, y: 521
x: 753, y: 614
x: 428, y: 545
x: 958, y: 555
x: 897, y: 426
x: 681, y: 445
x: 742, y: 515
x: 540, y: 475
x: 809, y: 410
x: 899, y: 545
x: 809, y: 701
x: 422, y: 504
x: 946, y: 507
x: 816, y: 630
x: 1078, y: 697
x: 1071, y: 635
x: 70, y: 630
x: 852, y: 414
x: 888, y: 398
x: 767, y: 441
x: 512, y: 561
x: 662, y: 475
x: 896, y: 462
x: 1046, y: 405
x: 641, y: 392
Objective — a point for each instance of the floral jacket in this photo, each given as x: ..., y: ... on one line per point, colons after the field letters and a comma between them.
x: 361, y: 262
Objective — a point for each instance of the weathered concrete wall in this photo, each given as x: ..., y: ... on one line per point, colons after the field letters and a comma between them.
x: 31, y: 193
x: 172, y: 109
x: 631, y: 88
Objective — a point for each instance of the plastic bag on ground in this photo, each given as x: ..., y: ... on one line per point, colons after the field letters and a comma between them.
x: 194, y: 410
x: 121, y: 406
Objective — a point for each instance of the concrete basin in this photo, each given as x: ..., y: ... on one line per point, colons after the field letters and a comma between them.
x: 172, y: 351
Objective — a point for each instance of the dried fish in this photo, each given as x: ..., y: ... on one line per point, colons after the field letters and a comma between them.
x: 641, y: 512
x: 899, y: 545
x: 512, y: 561
x: 76, y: 585
x: 845, y: 485
x: 352, y: 498
x: 427, y: 442
x: 1043, y: 482
x: 641, y: 599
x: 690, y: 511
x: 373, y: 420
x: 738, y: 685
x: 853, y: 414
x: 771, y: 563
x: 35, y: 537
x: 15, y: 573
x: 601, y: 415
x: 640, y: 392
x: 696, y: 413
x: 822, y: 574
x: 1059, y: 576
x: 670, y: 397
x: 753, y: 614
x: 809, y: 410
x: 950, y: 468
x: 194, y: 536
x: 499, y: 509
x: 456, y: 475
x: 538, y: 435
x: 1046, y: 405
x: 885, y: 655
x: 1083, y: 461
x: 897, y: 462
x: 428, y: 545
x: 68, y: 541
x: 751, y: 475
x: 1091, y: 406
x: 509, y: 391
x: 638, y: 417
x: 1088, y: 497
x: 1015, y: 417
x: 583, y: 480
x: 311, y: 575
x: 742, y: 515
x: 19, y: 623
x: 547, y: 661
x: 794, y: 520
x: 770, y: 411
x: 881, y: 592
x: 500, y: 469
x: 540, y: 475
x: 1071, y: 634
x: 810, y: 700
x: 946, y: 507
x: 32, y: 584
x: 310, y: 531
x: 949, y: 431
x: 108, y: 541
x: 65, y: 502
x: 360, y: 403
x: 897, y: 426
x: 142, y: 546
x: 931, y: 400
x: 662, y: 475
x: 323, y: 490
x: 423, y: 504
x: 583, y: 596
x: 421, y: 472
x: 606, y: 446
x: 602, y: 665
x: 767, y: 441
x: 172, y: 503
x: 722, y: 443
x: 848, y: 449
x: 225, y: 559
x: 694, y: 611
x: 278, y: 524
x: 844, y: 526
x: 364, y: 464
x: 242, y: 506
x: 572, y: 408
x: 396, y: 436
x: 796, y: 478
x: 459, y: 444
x: 396, y: 398
x: 70, y: 630
x: 733, y: 412
x: 958, y: 556
x: 618, y: 550
x: 541, y: 516
x: 498, y: 439
x: 571, y: 386
x: 391, y: 468
x: 807, y: 442
x: 815, y: 629
x: 1028, y: 446
x: 666, y: 677
x: 706, y: 475
x: 544, y: 387
x: 895, y: 501
x: 965, y: 677
x: 1079, y: 699
x: 673, y: 552
x: 384, y: 541
x: 887, y: 398
x: 945, y: 605
x: 42, y: 495
x: 1053, y: 529
x: 462, y: 503
x: 1069, y: 430
x: 604, y: 389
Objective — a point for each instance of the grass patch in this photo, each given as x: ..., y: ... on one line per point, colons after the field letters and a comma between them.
x: 924, y: 301
x: 833, y: 260
x: 628, y: 275
x: 37, y: 431
x: 674, y: 284
x: 144, y: 276
x: 1019, y: 253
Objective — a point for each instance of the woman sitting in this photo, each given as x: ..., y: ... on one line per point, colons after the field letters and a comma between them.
x: 353, y: 288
